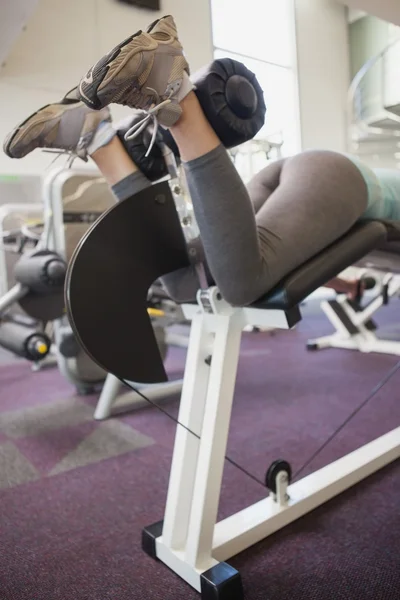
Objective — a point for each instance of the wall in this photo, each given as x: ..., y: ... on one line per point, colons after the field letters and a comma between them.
x: 323, y: 73
x: 381, y: 85
x: 354, y: 14
x: 64, y: 38
x: 388, y: 10
x: 13, y: 19
x: 368, y: 37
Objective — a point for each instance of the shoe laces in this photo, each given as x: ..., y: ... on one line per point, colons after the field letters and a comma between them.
x: 72, y: 156
x: 150, y: 115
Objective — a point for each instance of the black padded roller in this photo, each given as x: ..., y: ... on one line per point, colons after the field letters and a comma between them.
x: 24, y: 341
x: 69, y: 346
x: 153, y: 166
x: 42, y: 271
x: 232, y: 100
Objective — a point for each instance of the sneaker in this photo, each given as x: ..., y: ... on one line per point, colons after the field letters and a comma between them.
x: 68, y: 125
x: 144, y: 71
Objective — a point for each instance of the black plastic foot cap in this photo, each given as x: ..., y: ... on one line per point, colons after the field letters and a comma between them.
x: 222, y: 582
x: 149, y: 536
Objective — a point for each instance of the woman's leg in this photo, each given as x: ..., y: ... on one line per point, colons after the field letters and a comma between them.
x: 260, y: 188
x: 114, y: 162
x: 70, y: 125
x: 264, y: 183
x: 119, y: 170
x: 319, y: 197
x: 313, y: 199
x: 125, y: 180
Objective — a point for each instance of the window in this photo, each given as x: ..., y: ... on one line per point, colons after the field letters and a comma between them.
x: 260, y: 34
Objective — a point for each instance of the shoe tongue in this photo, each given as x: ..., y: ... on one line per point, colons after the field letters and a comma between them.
x: 152, y: 25
x: 71, y: 97
x: 69, y: 130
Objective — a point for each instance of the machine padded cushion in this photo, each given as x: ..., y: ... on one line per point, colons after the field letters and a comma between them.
x: 390, y: 248
x: 153, y: 166
x: 232, y: 100
x: 359, y: 241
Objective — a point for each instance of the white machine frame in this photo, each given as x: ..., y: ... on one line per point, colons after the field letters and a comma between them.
x: 351, y: 327
x: 7, y: 210
x: 189, y: 540
x: 111, y: 402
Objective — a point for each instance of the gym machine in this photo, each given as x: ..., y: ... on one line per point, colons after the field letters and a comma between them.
x: 39, y: 292
x: 353, y: 320
x: 189, y: 540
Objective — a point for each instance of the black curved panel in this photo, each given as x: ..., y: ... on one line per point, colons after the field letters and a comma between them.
x: 122, y: 254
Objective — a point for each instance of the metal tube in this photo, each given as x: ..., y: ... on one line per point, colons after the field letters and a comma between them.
x: 16, y: 293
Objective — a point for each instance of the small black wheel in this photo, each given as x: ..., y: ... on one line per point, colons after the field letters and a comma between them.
x: 371, y: 325
x: 69, y: 346
x: 276, y: 467
x: 312, y: 346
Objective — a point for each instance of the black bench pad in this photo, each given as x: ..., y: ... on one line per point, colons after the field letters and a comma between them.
x: 359, y: 241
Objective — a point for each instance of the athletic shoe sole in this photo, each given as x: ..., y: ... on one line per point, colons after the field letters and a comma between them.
x: 11, y: 136
x: 96, y: 76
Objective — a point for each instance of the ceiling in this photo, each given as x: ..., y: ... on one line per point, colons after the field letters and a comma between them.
x: 13, y: 17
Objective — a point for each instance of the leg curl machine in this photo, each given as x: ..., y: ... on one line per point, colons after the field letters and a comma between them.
x: 189, y: 540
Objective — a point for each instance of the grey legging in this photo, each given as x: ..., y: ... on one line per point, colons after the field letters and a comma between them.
x: 254, y: 236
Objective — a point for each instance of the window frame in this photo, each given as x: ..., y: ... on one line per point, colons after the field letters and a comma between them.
x: 292, y: 67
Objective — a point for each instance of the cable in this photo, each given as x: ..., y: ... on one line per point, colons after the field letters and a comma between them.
x: 309, y: 460
x: 350, y: 417
x: 177, y: 422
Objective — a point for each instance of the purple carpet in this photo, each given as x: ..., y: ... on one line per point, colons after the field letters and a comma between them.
x: 75, y: 494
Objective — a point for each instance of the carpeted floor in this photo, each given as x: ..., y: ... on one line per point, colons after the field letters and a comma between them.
x: 75, y: 494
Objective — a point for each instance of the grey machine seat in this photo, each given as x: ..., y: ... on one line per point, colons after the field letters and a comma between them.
x: 353, y: 325
x: 300, y: 283
x: 386, y: 257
